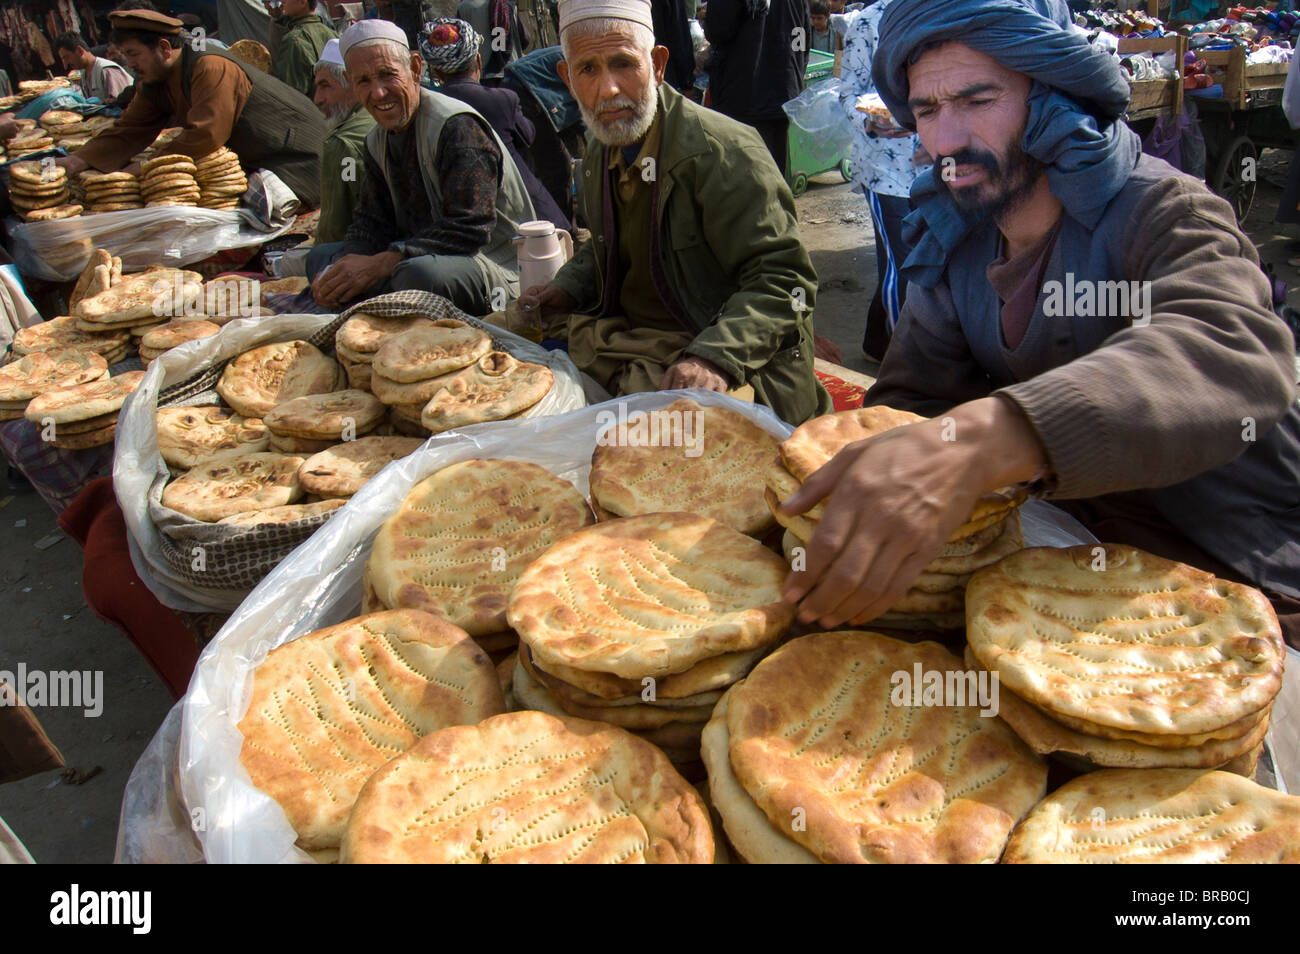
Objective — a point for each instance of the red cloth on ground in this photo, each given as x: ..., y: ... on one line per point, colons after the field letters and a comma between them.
x: 115, y: 593
x: 844, y: 396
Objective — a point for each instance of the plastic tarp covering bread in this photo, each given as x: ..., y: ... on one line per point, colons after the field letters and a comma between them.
x: 161, y: 539
x: 173, y: 235
x: 320, y: 585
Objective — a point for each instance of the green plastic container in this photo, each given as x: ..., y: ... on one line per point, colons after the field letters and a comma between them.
x: 806, y: 156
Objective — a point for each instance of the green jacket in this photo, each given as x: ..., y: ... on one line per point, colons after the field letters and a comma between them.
x: 730, y: 250
x: 340, y: 181
x: 295, y: 57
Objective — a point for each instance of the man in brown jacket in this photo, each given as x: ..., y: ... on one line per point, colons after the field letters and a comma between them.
x: 1081, y: 316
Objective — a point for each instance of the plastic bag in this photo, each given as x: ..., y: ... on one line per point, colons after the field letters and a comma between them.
x: 320, y: 585
x: 186, y: 375
x: 817, y: 111
x: 57, y: 251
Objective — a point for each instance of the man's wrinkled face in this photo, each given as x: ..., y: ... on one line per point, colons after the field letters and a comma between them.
x: 616, y: 85
x: 971, y: 114
x: 386, y: 82
x: 332, y: 97
x: 150, y: 64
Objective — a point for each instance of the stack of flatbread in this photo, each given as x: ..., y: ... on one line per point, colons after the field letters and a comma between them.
x: 495, y: 387
x: 685, y: 457
x: 313, y: 422
x: 1162, y: 816
x: 529, y: 788
x: 235, y: 484
x: 461, y: 538
x: 103, y: 270
x: 221, y: 180
x: 340, y: 471
x: 936, y: 599
x: 34, y: 374
x: 28, y: 142
x: 39, y: 191
x: 1109, y: 656
x: 158, y: 340
x: 64, y: 127
x: 822, y: 755
x: 190, y: 436
x: 169, y: 180
x: 642, y: 622
x: 358, y: 338
x: 408, y: 367
x: 228, y: 298
x: 84, y: 415
x: 62, y: 332
x: 330, y: 708
x: 139, y: 302
x: 111, y: 192
x: 260, y: 379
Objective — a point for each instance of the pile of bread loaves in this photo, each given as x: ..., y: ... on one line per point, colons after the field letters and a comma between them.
x: 68, y: 393
x: 654, y: 644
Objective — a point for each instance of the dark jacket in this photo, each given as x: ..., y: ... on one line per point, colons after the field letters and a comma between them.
x: 500, y: 107
x: 729, y: 251
x: 673, y: 30
x: 757, y: 66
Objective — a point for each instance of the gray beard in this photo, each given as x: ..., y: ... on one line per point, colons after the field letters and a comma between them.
x: 624, y: 132
x: 335, y: 115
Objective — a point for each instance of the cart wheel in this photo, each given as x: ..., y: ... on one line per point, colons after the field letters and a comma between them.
x: 1235, y: 174
x: 799, y: 184
x: 846, y: 169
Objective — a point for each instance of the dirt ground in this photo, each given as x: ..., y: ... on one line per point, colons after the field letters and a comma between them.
x: 48, y: 626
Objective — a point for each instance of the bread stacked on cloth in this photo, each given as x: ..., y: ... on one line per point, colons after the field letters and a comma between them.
x: 72, y: 130
x: 158, y: 340
x: 62, y: 332
x: 258, y: 380
x: 313, y: 422
x: 822, y: 755
x: 340, y: 471
x: 529, y: 788
x: 358, y: 338
x: 190, y: 436
x: 39, y: 191
x: 460, y: 540
x: 111, y: 192
x: 937, y: 598
x: 642, y: 622
x: 685, y: 457
x: 1161, y: 816
x: 221, y: 180
x: 330, y: 708
x: 83, y: 415
x: 169, y: 180
x: 34, y: 374
x: 1109, y: 656
x: 139, y: 302
x: 230, y: 485
x: 404, y: 371
x: 29, y: 141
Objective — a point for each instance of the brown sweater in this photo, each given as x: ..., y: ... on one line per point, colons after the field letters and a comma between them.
x: 1197, y: 404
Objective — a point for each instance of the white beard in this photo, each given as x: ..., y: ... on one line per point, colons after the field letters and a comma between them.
x: 623, y: 132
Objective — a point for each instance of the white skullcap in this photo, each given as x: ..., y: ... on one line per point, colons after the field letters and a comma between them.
x: 331, y: 53
x: 638, y: 11
x: 363, y: 31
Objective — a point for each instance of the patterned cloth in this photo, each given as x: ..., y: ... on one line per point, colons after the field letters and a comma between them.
x: 449, y: 45
x: 879, y: 165
x: 469, y: 170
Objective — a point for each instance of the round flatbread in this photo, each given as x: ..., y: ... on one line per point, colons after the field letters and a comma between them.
x: 326, y: 416
x: 62, y: 332
x: 709, y: 675
x: 79, y: 403
x: 37, y: 173
x: 686, y: 456
x: 170, y: 334
x: 31, y: 190
x: 230, y: 485
x: 362, y: 334
x: 1119, y: 638
x: 188, y: 436
x: 1160, y: 816
x: 105, y: 178
x: 343, y: 470
x: 331, y: 707
x: 300, y: 445
x: 647, y: 691
x: 115, y: 207
x: 55, y: 213
x: 34, y: 374
x: 170, y: 163
x: 529, y: 787
x: 38, y: 202
x: 649, y: 596
x: 823, y: 731
x: 84, y: 439
x: 429, y: 350
x: 414, y: 393
x: 258, y: 380
x: 290, y: 513
x: 462, y: 537
x: 494, y: 387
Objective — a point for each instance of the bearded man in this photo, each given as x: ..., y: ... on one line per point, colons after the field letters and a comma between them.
x: 1164, y: 418
x: 342, y: 158
x: 694, y: 275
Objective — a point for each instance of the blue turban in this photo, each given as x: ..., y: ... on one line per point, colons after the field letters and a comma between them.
x: 1075, y: 107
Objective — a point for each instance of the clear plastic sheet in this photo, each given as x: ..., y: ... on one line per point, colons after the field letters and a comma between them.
x: 320, y: 585
x: 140, y: 473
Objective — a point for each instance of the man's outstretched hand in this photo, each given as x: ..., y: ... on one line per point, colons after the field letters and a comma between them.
x: 350, y: 276
x: 894, y: 500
